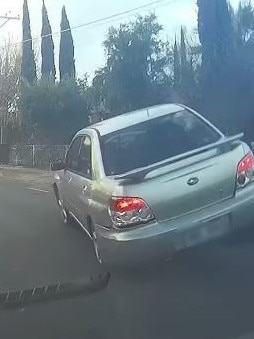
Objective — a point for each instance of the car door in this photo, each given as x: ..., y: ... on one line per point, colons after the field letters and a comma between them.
x: 71, y: 175
x: 84, y: 182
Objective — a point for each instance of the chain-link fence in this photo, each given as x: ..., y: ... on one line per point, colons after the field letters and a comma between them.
x: 39, y: 156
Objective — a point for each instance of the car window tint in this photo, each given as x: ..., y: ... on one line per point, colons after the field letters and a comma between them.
x: 73, y: 155
x: 155, y: 140
x: 85, y: 162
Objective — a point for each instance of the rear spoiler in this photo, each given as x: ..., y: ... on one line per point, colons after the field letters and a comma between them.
x: 139, y: 174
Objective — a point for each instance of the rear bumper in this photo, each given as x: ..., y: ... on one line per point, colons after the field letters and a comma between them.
x: 161, y: 240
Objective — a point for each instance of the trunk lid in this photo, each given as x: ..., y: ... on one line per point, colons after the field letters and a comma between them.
x: 189, y: 184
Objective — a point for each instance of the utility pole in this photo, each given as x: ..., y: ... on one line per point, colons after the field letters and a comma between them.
x: 7, y: 18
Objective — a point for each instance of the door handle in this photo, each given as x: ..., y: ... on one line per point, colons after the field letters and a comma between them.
x: 69, y: 180
x: 84, y: 189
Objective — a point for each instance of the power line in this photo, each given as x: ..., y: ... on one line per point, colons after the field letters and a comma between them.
x: 116, y: 19
x: 93, y: 22
x: 7, y: 18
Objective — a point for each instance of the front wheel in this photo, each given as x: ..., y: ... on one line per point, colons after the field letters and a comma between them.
x: 64, y: 213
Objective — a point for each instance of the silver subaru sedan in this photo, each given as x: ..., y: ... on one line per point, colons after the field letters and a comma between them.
x: 148, y: 183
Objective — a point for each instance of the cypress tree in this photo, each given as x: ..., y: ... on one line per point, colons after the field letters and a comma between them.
x: 28, y: 67
x: 216, y: 33
x: 66, y: 56
x: 48, y: 69
x: 176, y: 66
x: 183, y: 53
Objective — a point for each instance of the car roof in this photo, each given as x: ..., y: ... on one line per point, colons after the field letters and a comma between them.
x: 132, y: 118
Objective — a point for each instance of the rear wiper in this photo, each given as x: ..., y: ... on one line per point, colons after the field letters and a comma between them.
x: 139, y: 175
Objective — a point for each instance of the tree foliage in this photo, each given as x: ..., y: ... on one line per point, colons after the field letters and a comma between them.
x: 48, y: 70
x: 176, y: 66
x: 10, y: 61
x: 135, y: 73
x: 216, y: 35
x: 187, y: 84
x: 245, y: 22
x: 55, y: 112
x: 51, y: 112
x: 183, y: 51
x: 214, y: 75
x: 66, y: 55
x: 28, y: 67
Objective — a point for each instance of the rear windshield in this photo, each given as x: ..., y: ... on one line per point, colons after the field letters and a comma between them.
x: 153, y: 141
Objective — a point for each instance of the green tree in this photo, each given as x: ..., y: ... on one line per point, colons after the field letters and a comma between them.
x: 245, y: 21
x: 241, y: 75
x: 135, y: 73
x: 98, y: 92
x: 54, y: 111
x: 28, y: 67
x: 184, y: 73
x: 66, y: 56
x: 218, y: 47
x: 10, y: 60
x: 48, y: 70
x: 216, y: 35
x: 183, y: 52
x: 176, y: 66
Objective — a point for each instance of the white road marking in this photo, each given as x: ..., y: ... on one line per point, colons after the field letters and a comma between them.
x: 20, y: 180
x: 37, y: 189
x: 10, y: 178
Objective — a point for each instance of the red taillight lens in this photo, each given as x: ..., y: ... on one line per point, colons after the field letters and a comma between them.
x: 246, y: 163
x: 127, y: 211
x: 245, y: 170
x: 127, y: 204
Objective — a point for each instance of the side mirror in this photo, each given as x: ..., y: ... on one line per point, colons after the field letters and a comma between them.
x: 57, y: 166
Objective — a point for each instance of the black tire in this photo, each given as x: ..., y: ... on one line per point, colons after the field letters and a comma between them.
x: 66, y: 218
x: 94, y: 239
x: 64, y: 212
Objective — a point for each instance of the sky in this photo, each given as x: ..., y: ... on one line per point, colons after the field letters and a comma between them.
x: 89, y: 52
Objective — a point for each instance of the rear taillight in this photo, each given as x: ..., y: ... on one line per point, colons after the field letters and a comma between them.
x: 127, y: 211
x: 245, y: 170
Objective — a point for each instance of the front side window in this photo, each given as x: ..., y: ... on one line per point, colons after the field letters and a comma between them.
x: 155, y: 140
x: 85, y: 158
x: 73, y: 155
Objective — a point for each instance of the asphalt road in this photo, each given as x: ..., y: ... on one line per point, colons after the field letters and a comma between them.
x: 206, y: 292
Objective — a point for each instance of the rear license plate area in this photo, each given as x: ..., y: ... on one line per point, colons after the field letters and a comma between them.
x: 207, y: 231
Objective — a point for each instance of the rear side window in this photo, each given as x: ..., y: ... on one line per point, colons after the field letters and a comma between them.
x: 155, y: 140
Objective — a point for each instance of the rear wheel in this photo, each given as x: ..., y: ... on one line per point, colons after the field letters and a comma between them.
x: 95, y: 242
